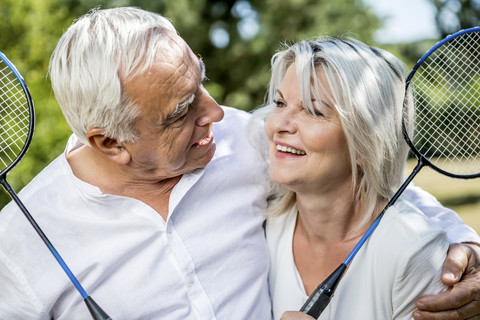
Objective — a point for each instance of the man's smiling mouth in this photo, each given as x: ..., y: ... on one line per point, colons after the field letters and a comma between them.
x: 204, y: 141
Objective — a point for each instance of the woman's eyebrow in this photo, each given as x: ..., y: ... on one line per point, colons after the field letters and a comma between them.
x: 280, y: 93
x: 323, y: 102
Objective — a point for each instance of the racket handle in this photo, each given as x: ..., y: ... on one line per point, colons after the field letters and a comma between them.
x: 95, y: 310
x: 320, y: 298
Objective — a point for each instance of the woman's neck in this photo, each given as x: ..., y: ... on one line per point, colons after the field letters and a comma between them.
x: 329, y: 217
x: 326, y: 230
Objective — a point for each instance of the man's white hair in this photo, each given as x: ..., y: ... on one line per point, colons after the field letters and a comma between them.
x: 92, y: 60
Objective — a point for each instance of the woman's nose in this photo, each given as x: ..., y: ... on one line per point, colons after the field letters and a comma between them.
x: 282, y: 121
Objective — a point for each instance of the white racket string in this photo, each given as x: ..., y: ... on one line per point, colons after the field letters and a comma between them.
x: 14, y: 117
x: 446, y: 91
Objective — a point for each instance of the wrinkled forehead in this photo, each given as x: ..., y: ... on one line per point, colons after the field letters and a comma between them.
x: 162, y: 45
x: 165, y: 61
x: 177, y: 62
x: 172, y: 78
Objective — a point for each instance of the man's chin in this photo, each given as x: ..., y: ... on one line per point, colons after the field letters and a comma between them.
x: 206, y: 158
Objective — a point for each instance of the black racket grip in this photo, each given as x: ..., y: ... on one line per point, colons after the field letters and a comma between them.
x: 95, y: 310
x: 317, y: 302
x: 320, y: 298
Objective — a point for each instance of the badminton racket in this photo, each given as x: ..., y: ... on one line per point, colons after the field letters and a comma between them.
x: 17, y: 119
x: 445, y: 84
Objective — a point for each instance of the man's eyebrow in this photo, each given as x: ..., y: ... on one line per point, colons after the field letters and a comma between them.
x: 180, y: 108
x: 201, y: 66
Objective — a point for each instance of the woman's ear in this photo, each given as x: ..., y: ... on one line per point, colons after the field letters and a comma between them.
x: 109, y: 147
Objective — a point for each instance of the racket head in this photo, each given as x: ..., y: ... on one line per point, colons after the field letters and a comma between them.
x: 445, y: 86
x: 17, y: 116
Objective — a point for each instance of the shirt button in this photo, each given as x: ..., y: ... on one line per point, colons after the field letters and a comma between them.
x: 190, y: 280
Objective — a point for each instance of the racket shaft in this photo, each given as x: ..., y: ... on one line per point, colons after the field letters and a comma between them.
x: 96, y: 312
x: 42, y: 235
x: 320, y: 298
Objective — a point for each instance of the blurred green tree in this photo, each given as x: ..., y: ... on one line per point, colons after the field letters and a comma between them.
x: 235, y: 38
x: 454, y: 15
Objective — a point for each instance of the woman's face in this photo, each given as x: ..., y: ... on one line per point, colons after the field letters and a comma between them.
x: 308, y: 152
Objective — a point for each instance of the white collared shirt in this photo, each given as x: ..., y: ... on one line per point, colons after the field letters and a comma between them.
x: 208, y: 260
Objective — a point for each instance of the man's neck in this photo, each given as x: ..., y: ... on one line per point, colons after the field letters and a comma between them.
x: 91, y: 167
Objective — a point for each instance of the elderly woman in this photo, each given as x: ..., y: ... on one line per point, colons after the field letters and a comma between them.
x: 337, y: 153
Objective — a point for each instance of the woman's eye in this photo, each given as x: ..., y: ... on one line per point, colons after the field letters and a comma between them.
x: 317, y: 113
x: 279, y: 104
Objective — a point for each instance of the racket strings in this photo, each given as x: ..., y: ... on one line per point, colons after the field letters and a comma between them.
x: 14, y: 117
x: 446, y: 91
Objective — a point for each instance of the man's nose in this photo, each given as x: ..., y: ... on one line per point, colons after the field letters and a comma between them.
x: 211, y: 111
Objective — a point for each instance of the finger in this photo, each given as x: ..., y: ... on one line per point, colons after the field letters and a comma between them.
x: 467, y: 312
x: 444, y: 315
x: 455, y: 263
x: 453, y: 298
x: 295, y: 315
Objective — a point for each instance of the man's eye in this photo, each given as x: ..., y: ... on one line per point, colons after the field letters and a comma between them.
x: 181, y: 117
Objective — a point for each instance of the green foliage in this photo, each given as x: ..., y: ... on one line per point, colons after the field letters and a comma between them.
x: 238, y: 69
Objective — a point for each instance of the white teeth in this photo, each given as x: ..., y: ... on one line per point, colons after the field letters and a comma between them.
x: 290, y: 150
x: 205, y: 140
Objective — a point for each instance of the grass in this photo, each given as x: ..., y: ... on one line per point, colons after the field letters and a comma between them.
x: 461, y: 195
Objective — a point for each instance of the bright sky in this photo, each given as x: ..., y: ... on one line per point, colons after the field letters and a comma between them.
x: 404, y: 20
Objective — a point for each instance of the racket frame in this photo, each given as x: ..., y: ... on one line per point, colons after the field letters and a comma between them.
x: 420, y: 157
x: 31, y: 110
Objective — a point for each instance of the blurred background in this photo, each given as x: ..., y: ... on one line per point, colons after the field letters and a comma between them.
x: 236, y: 40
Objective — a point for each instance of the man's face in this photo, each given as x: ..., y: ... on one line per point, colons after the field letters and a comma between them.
x: 176, y: 116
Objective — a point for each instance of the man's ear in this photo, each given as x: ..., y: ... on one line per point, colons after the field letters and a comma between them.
x: 109, y: 147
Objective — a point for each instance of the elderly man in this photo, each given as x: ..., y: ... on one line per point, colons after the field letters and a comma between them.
x: 156, y: 210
